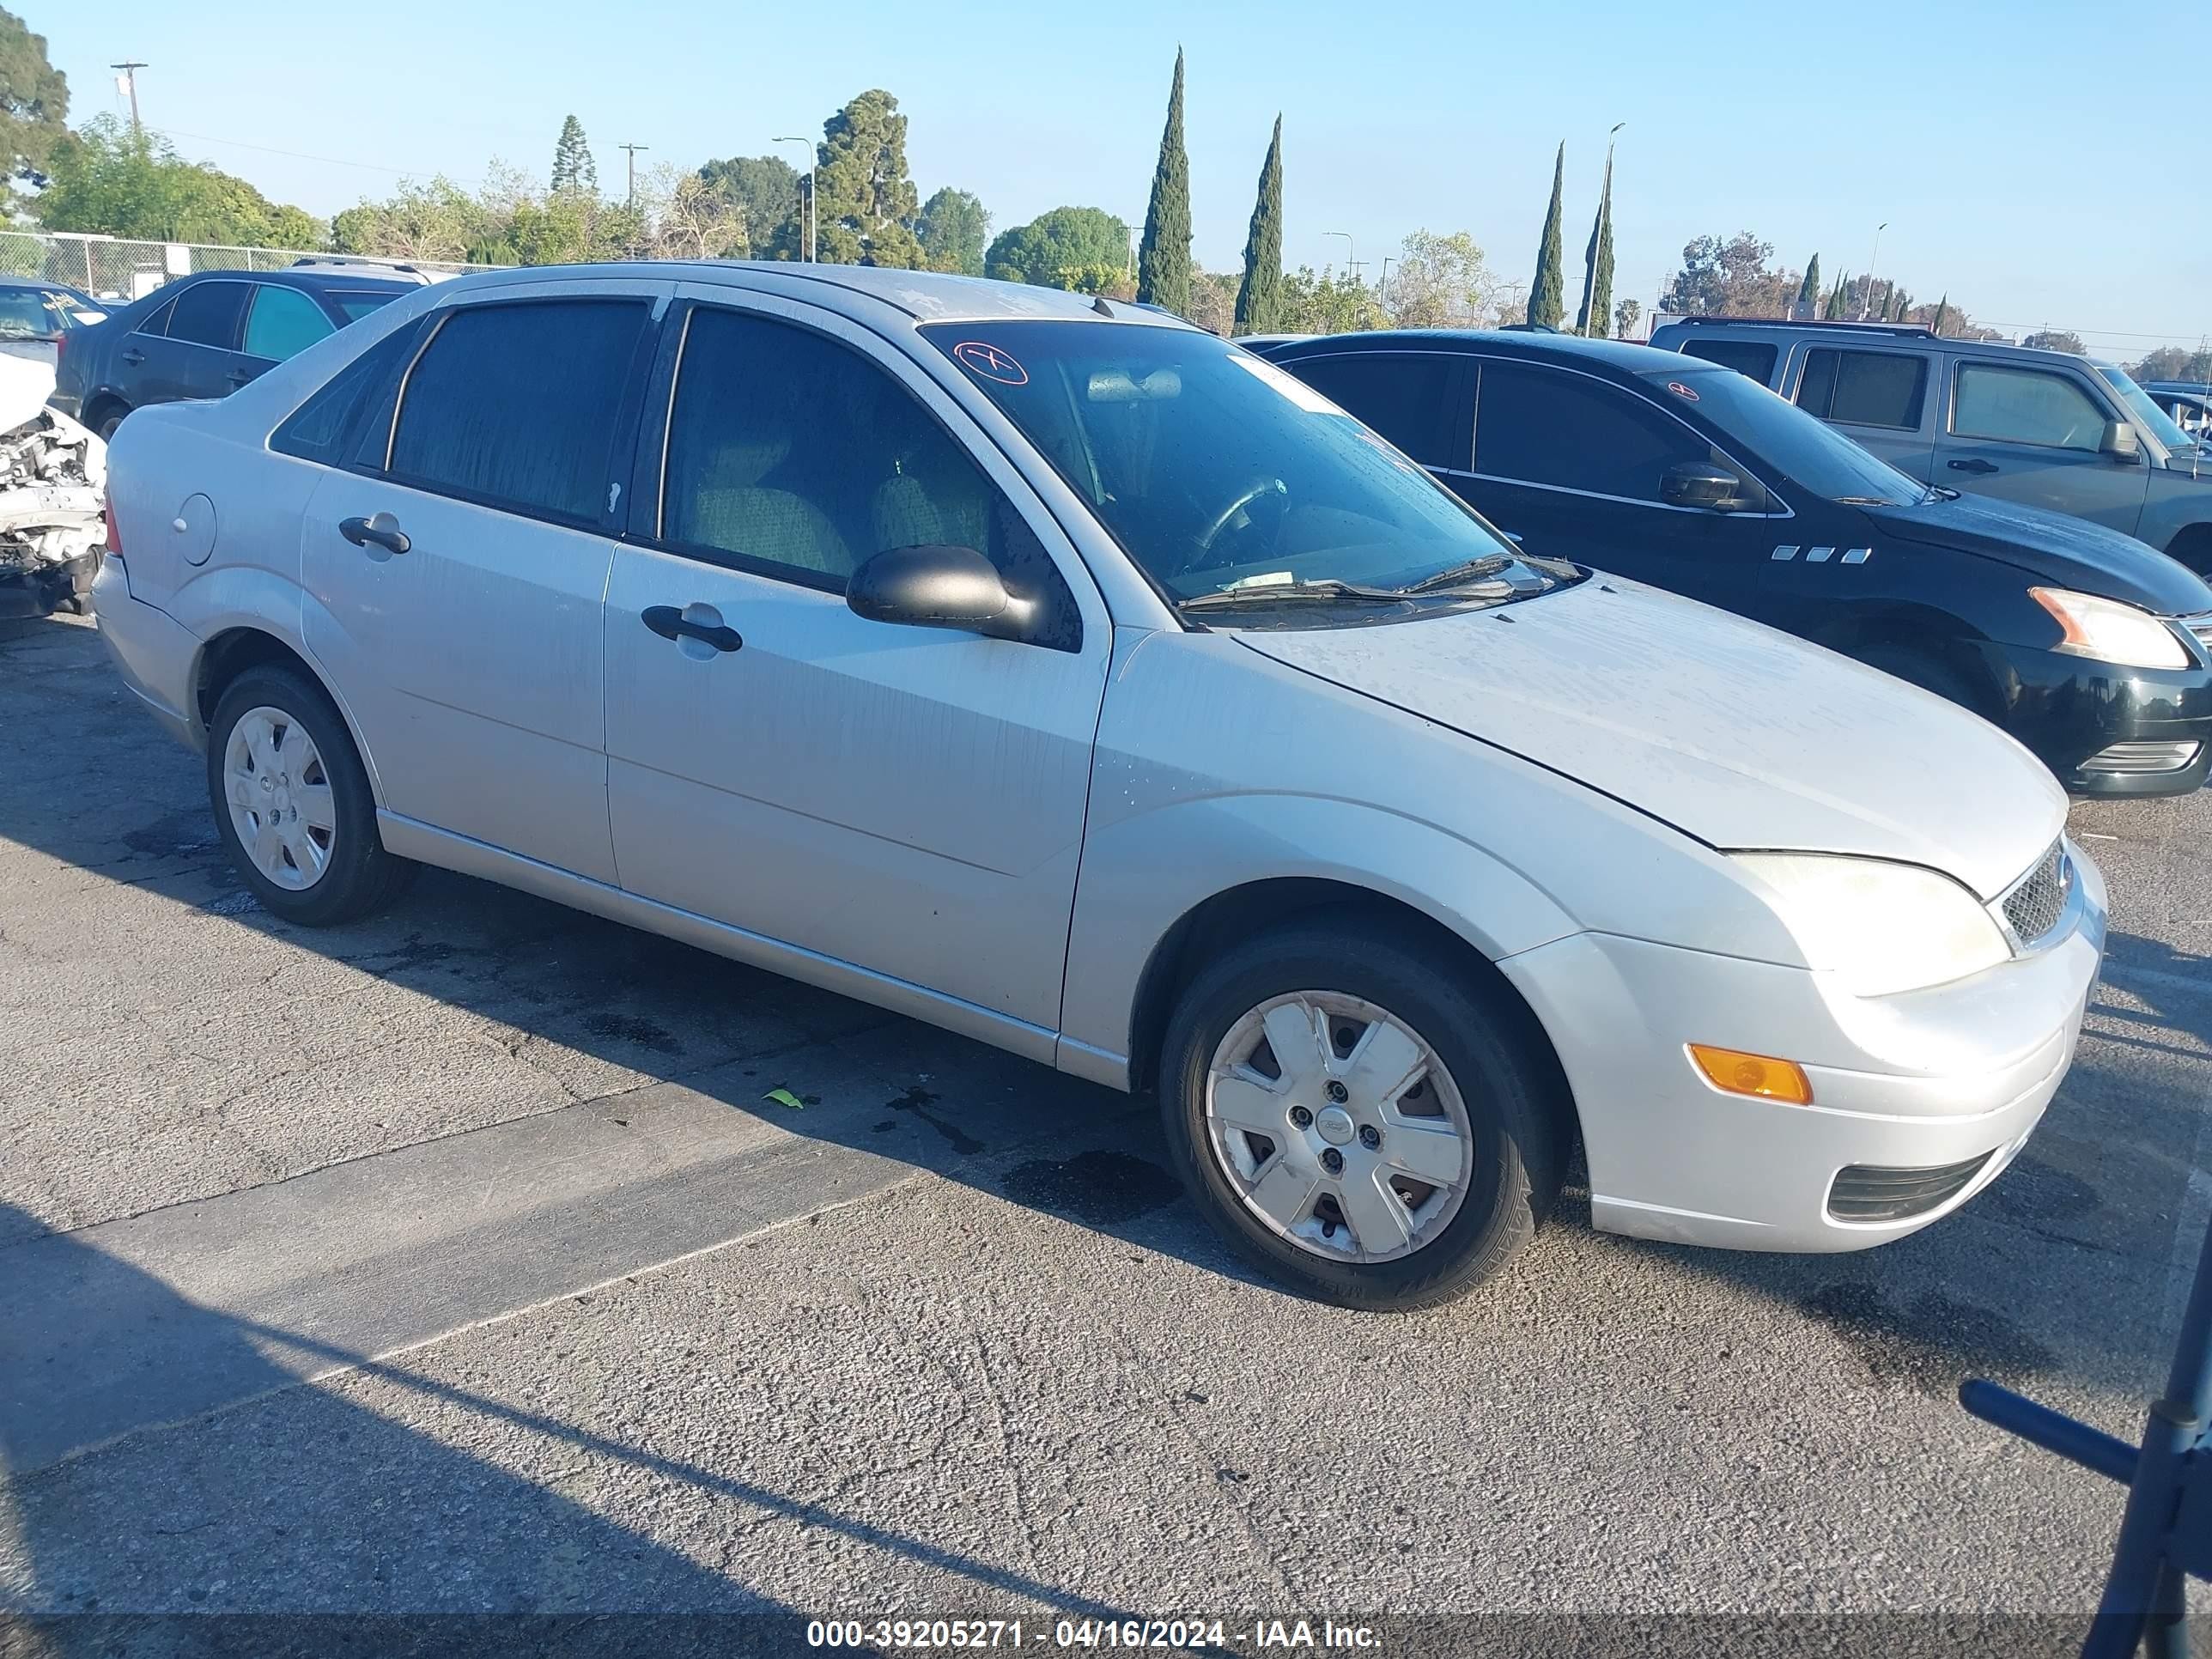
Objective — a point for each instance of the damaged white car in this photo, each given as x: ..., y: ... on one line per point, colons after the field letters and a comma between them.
x: 53, y: 475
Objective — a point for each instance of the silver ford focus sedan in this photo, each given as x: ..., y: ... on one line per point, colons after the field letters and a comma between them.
x: 1049, y: 669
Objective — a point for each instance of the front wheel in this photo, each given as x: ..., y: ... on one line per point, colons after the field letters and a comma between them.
x: 1358, y: 1116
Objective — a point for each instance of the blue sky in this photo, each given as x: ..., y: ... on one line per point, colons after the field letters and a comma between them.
x: 1988, y: 136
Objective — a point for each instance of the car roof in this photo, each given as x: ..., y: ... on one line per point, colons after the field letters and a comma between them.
x: 1869, y: 333
x: 314, y: 280
x: 1623, y: 356
x: 927, y: 296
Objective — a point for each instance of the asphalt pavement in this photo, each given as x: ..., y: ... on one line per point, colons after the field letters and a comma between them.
x: 456, y: 1263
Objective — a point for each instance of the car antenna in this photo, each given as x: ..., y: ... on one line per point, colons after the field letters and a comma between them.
x: 1098, y: 304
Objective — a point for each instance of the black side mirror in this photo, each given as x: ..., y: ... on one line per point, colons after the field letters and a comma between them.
x: 1698, y: 483
x: 939, y: 587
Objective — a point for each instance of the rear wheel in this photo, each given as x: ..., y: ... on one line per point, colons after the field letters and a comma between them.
x: 1358, y: 1116
x: 106, y: 424
x: 293, y: 805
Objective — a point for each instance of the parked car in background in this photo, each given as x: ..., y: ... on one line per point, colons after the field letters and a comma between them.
x: 34, y: 315
x: 2190, y: 403
x: 1049, y: 669
x: 2089, y: 648
x: 205, y: 335
x: 2045, y: 428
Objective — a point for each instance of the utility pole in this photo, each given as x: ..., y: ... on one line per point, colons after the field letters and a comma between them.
x: 633, y: 150
x: 130, y: 85
x: 812, y: 226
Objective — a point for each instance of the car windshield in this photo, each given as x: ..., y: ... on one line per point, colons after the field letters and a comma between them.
x: 26, y: 313
x: 1807, y: 450
x: 356, y: 303
x: 2145, y: 409
x: 1220, y: 474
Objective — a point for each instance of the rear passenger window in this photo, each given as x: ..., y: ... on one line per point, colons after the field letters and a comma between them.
x: 157, y: 321
x: 1544, y: 426
x: 321, y: 427
x: 208, y: 313
x: 794, y: 456
x: 283, y: 323
x: 518, y: 405
x: 1751, y: 357
x: 1864, y: 388
x: 2025, y: 406
x: 1403, y: 395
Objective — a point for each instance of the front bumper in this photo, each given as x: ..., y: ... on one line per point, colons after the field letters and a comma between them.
x: 1941, y: 1076
x: 2069, y: 711
x: 153, y: 651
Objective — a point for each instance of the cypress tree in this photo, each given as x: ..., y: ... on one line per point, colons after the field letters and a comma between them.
x: 1164, y: 256
x: 1547, y: 298
x: 1942, y: 313
x: 1809, y: 291
x: 1833, y: 311
x: 574, y: 169
x: 1260, y: 299
x: 1597, y: 266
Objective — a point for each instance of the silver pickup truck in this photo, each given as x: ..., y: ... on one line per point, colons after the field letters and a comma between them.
x: 2047, y: 429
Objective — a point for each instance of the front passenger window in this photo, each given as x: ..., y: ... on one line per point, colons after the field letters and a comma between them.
x: 2025, y: 406
x: 1571, y: 431
x: 792, y: 455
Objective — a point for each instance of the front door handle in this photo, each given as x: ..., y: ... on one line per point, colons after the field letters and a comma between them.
x: 1974, y: 465
x: 672, y: 623
x: 134, y: 357
x: 383, y: 531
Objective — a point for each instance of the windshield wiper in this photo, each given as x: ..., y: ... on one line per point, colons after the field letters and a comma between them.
x: 1489, y: 565
x: 1255, y: 595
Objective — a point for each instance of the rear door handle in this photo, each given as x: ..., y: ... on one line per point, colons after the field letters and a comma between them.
x: 134, y: 357
x: 672, y: 623
x: 1975, y: 466
x: 383, y: 531
x: 239, y: 376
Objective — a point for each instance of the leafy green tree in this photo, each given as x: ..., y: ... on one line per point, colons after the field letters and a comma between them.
x: 763, y: 190
x: 1624, y: 318
x: 425, y: 220
x: 1259, y: 295
x: 1055, y: 249
x: 106, y: 179
x: 2055, y: 339
x: 1597, y: 265
x: 1548, y: 296
x: 865, y: 204
x: 2174, y: 363
x: 33, y: 105
x: 1809, y: 291
x: 1163, y: 256
x: 1441, y: 282
x: 574, y: 173
x: 1329, y: 304
x: 1729, y: 278
x: 952, y: 230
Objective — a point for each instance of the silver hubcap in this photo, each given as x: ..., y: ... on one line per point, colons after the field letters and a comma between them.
x: 280, y: 798
x: 1338, y: 1126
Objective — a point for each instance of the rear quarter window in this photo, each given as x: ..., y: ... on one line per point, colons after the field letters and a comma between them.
x: 1864, y: 388
x: 1751, y: 357
x: 1404, y: 395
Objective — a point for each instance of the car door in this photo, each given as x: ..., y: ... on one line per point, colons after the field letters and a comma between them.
x: 280, y: 322
x: 1877, y: 396
x: 907, y: 800
x: 197, y: 354
x: 1570, y: 466
x: 2036, y: 435
x: 455, y: 569
x: 1421, y: 401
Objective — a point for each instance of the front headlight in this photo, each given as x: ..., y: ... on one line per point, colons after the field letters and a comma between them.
x: 2107, y: 630
x: 1879, y: 926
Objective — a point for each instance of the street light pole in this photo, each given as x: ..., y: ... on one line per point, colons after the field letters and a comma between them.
x: 1129, y: 236
x: 1350, y: 265
x: 1866, y: 306
x: 1596, y: 326
x: 130, y: 85
x: 812, y: 222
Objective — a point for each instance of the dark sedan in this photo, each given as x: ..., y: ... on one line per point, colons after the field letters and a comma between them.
x: 2092, y: 649
x: 205, y: 337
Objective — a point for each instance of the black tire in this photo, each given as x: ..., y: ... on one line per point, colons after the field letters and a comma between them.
x: 361, y: 877
x: 1515, y: 1097
x: 108, y: 423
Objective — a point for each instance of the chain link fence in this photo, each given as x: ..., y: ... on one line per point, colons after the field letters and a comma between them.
x: 113, y: 268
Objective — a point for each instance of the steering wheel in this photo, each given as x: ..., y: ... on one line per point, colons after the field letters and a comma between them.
x: 1263, y: 490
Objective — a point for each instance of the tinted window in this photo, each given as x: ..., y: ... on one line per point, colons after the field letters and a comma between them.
x: 207, y: 313
x: 157, y: 320
x: 282, y: 322
x: 25, y: 314
x: 1404, y: 396
x: 1751, y: 357
x: 2025, y: 406
x: 518, y: 405
x: 1784, y: 439
x: 789, y: 452
x: 1548, y: 426
x: 356, y: 303
x: 1864, y: 388
x: 320, y: 428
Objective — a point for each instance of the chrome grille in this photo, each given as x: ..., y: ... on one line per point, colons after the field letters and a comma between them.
x: 2199, y: 629
x: 2038, y: 899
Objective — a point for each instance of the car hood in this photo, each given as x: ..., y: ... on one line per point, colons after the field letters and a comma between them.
x: 1741, y: 736
x: 2063, y: 551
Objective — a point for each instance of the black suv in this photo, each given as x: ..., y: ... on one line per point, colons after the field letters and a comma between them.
x: 2087, y: 645
x: 205, y: 337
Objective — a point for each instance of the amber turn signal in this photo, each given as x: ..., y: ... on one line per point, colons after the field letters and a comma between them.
x: 1758, y: 1075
